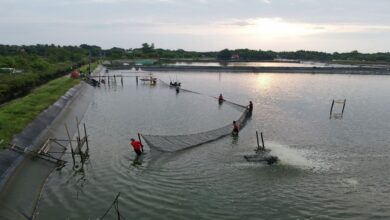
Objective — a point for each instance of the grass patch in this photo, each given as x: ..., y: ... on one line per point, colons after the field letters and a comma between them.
x: 85, y: 67
x: 17, y: 114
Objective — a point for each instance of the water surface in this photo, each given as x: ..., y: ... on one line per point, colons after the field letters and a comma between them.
x: 259, y: 64
x: 329, y: 169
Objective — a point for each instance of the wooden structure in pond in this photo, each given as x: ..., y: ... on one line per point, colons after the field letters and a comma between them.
x: 43, y: 153
x: 81, y: 149
x: 54, y: 147
x: 339, y: 114
x: 106, y: 79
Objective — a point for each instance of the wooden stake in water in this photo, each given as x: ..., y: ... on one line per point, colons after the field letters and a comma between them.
x: 331, y: 109
x: 78, y: 129
x: 70, y: 144
x: 86, y: 137
x: 262, y: 140
x: 257, y: 138
x: 342, y: 112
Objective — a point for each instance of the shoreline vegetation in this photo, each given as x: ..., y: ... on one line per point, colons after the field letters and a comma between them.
x: 23, y: 68
x: 17, y: 114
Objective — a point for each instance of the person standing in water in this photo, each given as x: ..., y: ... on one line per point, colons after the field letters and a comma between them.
x: 137, y: 146
x: 250, y: 107
x: 236, y: 128
x: 220, y: 98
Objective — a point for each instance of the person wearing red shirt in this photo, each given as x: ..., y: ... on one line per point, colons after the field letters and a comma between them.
x: 137, y: 146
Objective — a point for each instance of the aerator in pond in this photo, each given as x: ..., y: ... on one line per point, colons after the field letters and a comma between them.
x: 261, y: 154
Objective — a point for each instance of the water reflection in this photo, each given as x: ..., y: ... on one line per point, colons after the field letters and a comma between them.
x: 257, y: 64
x: 264, y: 81
x: 320, y: 158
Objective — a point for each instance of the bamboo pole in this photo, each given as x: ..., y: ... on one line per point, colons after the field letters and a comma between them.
x: 140, y: 140
x: 86, y: 137
x: 70, y: 143
x: 262, y: 140
x: 331, y: 109
x: 78, y: 129
x: 114, y: 203
x: 342, y: 112
x: 257, y: 138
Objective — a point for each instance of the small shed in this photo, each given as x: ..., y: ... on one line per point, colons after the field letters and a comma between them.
x: 75, y: 74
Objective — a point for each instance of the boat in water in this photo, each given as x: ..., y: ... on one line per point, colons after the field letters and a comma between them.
x: 149, y: 78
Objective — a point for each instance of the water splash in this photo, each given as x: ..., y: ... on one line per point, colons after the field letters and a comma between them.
x: 300, y: 158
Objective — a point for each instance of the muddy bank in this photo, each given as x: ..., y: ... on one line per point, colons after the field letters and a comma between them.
x: 312, y: 70
x: 22, y: 176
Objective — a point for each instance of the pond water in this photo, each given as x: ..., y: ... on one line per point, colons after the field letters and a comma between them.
x: 259, y: 64
x: 329, y: 169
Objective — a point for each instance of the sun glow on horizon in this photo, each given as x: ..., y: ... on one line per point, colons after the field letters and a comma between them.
x: 276, y: 27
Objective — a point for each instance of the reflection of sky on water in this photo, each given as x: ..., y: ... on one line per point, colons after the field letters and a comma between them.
x: 334, y: 168
x: 258, y: 64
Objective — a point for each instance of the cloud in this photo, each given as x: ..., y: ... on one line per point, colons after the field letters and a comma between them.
x: 226, y: 23
x: 239, y: 23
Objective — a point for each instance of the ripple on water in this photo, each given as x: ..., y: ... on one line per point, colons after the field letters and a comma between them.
x: 335, y: 178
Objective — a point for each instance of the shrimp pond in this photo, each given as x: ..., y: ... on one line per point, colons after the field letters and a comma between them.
x: 329, y: 168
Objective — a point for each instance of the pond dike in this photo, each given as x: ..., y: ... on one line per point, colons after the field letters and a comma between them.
x: 243, y: 69
x: 22, y: 176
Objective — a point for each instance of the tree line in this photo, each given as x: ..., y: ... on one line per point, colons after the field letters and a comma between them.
x: 40, y: 63
x: 149, y: 51
x: 37, y: 65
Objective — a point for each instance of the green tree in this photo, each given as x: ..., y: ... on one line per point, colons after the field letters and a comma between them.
x: 146, y: 48
x: 224, y: 54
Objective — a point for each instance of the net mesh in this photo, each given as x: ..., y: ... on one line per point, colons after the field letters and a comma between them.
x: 174, y: 87
x: 172, y: 143
x: 232, y: 104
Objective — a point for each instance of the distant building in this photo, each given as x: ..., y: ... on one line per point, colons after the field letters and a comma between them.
x: 145, y: 62
x: 106, y: 62
x: 235, y: 57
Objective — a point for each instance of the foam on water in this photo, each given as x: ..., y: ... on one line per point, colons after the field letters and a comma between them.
x: 349, y: 182
x: 300, y: 158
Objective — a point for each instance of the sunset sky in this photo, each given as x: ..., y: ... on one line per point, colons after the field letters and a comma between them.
x: 202, y: 25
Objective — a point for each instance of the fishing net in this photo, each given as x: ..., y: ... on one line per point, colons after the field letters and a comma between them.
x: 172, y: 143
x: 232, y: 104
x: 165, y: 84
